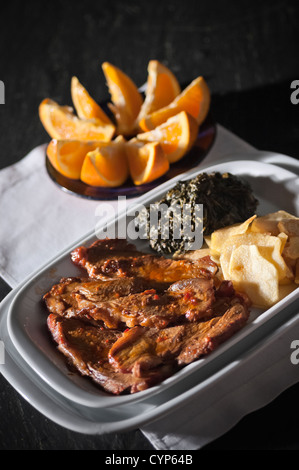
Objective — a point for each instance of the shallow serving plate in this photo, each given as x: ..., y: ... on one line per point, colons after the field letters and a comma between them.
x: 203, y: 144
x: 30, y: 348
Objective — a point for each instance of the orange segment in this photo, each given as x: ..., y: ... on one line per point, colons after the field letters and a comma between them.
x: 126, y: 99
x: 61, y: 123
x: 67, y: 156
x: 195, y: 99
x: 176, y: 135
x: 106, y: 166
x: 162, y: 88
x: 147, y: 161
x: 85, y: 105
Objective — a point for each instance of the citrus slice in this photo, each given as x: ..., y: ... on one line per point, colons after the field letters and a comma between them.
x: 86, y: 107
x: 195, y: 99
x: 125, y: 97
x: 106, y: 166
x: 162, y: 88
x: 61, y: 123
x: 176, y: 136
x: 147, y: 161
x: 67, y: 156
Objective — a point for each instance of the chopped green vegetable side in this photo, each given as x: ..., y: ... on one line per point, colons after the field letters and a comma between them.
x: 226, y: 200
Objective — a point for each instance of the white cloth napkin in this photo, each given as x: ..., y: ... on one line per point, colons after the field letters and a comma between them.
x: 39, y: 220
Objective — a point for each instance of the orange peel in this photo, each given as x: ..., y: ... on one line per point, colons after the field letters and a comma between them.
x: 106, y: 166
x: 194, y: 99
x: 67, y: 156
x: 176, y: 136
x: 86, y: 107
x: 125, y: 96
x: 147, y: 161
x: 61, y: 123
x: 162, y: 88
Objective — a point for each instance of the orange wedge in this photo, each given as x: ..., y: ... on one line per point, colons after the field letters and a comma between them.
x: 106, y: 166
x: 162, y: 88
x: 125, y: 97
x: 67, y: 156
x: 176, y: 136
x: 195, y: 99
x: 147, y: 161
x: 85, y: 105
x: 61, y: 123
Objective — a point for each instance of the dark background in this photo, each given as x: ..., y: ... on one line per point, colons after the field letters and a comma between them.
x: 248, y: 53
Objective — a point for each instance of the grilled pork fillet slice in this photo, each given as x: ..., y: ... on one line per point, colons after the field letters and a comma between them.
x: 106, y: 259
x: 190, y: 299
x: 86, y: 347
x: 63, y: 297
x: 140, y: 349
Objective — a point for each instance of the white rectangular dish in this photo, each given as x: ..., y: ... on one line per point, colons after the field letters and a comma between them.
x: 30, y: 349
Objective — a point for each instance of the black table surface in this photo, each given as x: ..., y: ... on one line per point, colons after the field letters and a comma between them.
x: 247, y: 52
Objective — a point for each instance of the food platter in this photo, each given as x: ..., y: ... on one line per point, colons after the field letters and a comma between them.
x: 39, y: 373
x: 201, y: 147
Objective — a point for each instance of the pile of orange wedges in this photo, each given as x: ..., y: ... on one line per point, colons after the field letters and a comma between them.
x: 139, y: 139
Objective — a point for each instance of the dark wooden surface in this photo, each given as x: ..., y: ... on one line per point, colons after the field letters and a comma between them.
x: 248, y: 53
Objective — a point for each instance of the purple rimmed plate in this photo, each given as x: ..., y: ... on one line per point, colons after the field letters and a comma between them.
x: 203, y: 144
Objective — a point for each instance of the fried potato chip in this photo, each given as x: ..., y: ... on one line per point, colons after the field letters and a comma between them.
x: 270, y: 249
x: 273, y: 255
x: 289, y: 278
x: 224, y: 262
x: 290, y: 227
x: 207, y: 239
x: 253, y: 274
x: 269, y: 222
x: 218, y: 237
x: 291, y: 249
x: 284, y: 238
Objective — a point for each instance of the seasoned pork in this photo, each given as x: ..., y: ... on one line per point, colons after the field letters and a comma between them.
x: 65, y: 298
x: 135, y: 319
x: 139, y: 349
x: 109, y: 259
x: 191, y: 299
x: 86, y: 347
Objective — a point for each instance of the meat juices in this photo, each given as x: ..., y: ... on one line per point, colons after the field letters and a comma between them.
x: 137, y: 318
x: 110, y: 259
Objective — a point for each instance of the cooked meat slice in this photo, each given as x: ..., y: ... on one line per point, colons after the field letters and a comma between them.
x: 106, y: 259
x: 139, y: 349
x: 87, y: 346
x: 102, y: 250
x: 203, y: 341
x: 226, y: 296
x: 63, y: 297
x: 196, y: 296
x: 60, y: 296
x: 191, y: 299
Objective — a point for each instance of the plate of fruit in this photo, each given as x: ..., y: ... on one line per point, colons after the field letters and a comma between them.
x: 132, y: 142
